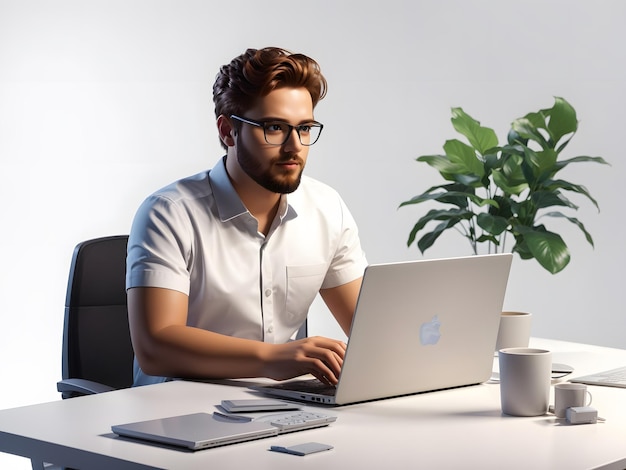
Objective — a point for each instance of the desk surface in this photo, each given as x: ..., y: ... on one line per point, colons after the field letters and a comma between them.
x: 444, y: 429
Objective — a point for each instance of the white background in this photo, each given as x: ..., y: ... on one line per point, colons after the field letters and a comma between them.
x: 102, y: 102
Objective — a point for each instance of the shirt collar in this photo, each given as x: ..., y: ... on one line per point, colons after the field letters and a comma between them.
x: 229, y: 204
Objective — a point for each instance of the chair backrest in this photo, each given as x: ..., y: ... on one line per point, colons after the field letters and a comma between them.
x: 96, y: 336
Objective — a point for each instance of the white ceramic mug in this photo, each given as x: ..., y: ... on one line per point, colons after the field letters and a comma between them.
x: 567, y: 395
x: 525, y: 381
x: 514, y: 330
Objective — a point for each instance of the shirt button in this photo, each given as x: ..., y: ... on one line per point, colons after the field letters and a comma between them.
x: 270, y: 329
x: 268, y: 292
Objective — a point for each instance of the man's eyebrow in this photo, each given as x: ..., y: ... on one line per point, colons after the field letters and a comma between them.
x: 277, y: 119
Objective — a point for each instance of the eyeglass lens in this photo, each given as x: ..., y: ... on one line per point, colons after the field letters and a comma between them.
x: 277, y: 133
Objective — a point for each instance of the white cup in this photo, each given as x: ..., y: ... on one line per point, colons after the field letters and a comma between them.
x: 514, y: 330
x: 525, y: 381
x: 567, y: 395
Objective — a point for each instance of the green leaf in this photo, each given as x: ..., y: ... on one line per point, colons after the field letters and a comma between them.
x: 527, y: 130
x: 543, y: 199
x: 538, y: 165
x: 504, y: 208
x: 530, y: 166
x: 509, y: 185
x: 448, y: 169
x: 441, y: 163
x: 464, y: 157
x: 452, y: 216
x: 567, y: 186
x: 509, y: 175
x: 481, y: 138
x: 488, y: 238
x: 521, y: 248
x: 547, y: 248
x: 492, y: 224
x: 561, y: 119
x: 514, y: 138
x: 537, y: 120
x: 575, y: 221
x: 546, y: 160
x: 563, y: 163
x: 427, y: 195
x: 427, y: 240
x: 455, y: 194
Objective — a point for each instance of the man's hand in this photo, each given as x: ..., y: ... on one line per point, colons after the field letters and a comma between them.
x: 166, y: 346
x: 318, y: 356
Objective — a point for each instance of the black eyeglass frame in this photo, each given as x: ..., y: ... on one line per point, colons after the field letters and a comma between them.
x: 298, y: 129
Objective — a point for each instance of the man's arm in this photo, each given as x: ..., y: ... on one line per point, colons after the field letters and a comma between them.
x: 341, y: 301
x: 166, y: 346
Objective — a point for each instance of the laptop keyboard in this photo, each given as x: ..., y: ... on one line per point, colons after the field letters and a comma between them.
x: 311, y: 386
x: 299, y: 420
x: 612, y: 378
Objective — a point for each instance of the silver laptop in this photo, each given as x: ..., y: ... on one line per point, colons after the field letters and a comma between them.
x: 202, y: 430
x: 196, y: 431
x: 419, y: 326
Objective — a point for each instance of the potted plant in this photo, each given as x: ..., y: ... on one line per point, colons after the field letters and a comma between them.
x: 499, y: 194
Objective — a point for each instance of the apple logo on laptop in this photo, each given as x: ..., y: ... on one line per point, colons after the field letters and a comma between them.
x: 429, y: 331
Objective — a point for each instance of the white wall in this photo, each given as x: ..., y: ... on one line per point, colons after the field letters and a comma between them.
x: 102, y: 102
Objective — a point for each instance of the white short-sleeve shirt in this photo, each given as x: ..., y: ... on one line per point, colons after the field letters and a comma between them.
x: 196, y: 236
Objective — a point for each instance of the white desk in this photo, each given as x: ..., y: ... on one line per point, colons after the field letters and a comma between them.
x: 448, y: 429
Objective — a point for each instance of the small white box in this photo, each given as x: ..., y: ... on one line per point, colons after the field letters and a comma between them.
x: 581, y: 415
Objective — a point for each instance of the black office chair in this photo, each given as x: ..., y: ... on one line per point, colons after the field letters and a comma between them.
x: 97, y: 350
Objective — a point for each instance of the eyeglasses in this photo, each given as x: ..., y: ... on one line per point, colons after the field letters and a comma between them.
x: 278, y: 132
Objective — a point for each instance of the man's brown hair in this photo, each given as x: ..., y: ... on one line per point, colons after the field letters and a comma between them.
x: 257, y: 72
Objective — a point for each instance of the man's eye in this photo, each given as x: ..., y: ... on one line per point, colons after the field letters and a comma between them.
x: 275, y: 127
x: 305, y: 128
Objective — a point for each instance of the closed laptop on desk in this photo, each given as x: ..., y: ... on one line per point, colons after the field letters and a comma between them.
x: 195, y: 431
x: 419, y: 326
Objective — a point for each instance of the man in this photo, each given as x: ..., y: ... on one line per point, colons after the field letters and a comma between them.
x: 223, y: 266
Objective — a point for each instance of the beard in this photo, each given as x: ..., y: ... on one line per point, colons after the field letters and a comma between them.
x: 270, y: 174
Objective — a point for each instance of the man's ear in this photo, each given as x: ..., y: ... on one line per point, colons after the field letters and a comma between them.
x: 226, y: 130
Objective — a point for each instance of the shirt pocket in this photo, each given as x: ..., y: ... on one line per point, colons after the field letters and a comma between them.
x: 303, y: 284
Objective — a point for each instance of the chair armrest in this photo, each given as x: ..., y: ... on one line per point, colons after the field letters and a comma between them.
x: 76, y: 387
